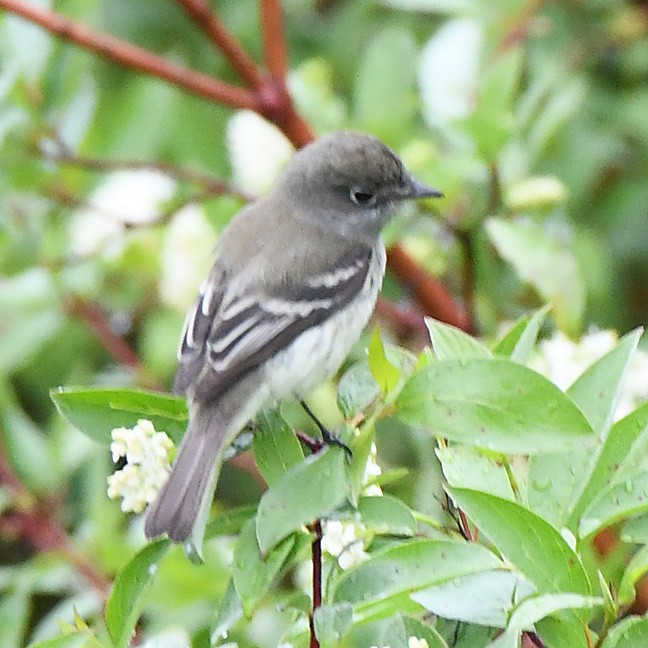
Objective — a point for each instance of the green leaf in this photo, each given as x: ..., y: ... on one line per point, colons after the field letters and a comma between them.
x: 331, y: 623
x: 624, y: 447
x: 534, y: 608
x: 384, y: 94
x: 97, y: 411
x: 276, y: 447
x: 465, y: 467
x: 386, y: 374
x: 635, y: 531
x: 485, y: 598
x: 410, y: 566
x: 386, y: 514
x: 545, y: 263
x: 598, y: 390
x: 492, y: 122
x: 131, y: 584
x: 356, y: 390
x: 252, y: 575
x: 637, y: 567
x: 229, y: 522
x: 528, y: 542
x: 14, y: 615
x: 494, y: 404
x: 449, y: 342
x: 23, y: 339
x: 229, y: 611
x: 84, y: 639
x: 616, y: 503
x: 398, y: 631
x: 562, y: 485
x: 309, y: 490
x: 631, y: 632
x: 26, y: 445
x: 519, y: 342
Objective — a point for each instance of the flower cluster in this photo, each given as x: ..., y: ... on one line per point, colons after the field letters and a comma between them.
x: 147, y: 465
x: 122, y: 198
x: 345, y: 539
x: 563, y: 361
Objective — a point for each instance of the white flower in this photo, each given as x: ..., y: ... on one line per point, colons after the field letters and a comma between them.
x: 449, y: 71
x: 147, y: 465
x: 563, y: 361
x: 258, y: 151
x: 372, y: 470
x: 417, y: 642
x: 186, y: 256
x: 123, y: 197
x: 341, y: 540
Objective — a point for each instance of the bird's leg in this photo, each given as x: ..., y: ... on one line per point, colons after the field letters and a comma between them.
x: 327, y: 436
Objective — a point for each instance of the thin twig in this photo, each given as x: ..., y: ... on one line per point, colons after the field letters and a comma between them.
x: 201, y: 12
x: 316, y: 551
x: 213, y: 185
x: 135, y: 58
x: 274, y: 39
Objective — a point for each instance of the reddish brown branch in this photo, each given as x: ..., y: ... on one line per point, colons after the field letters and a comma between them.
x: 97, y: 322
x: 316, y: 551
x: 135, y: 58
x: 202, y: 14
x: 430, y: 293
x: 405, y: 323
x: 274, y: 39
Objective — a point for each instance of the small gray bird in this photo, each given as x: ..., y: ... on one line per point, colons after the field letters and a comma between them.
x: 296, y: 279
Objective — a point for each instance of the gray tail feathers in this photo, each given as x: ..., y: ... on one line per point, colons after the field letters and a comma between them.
x: 193, y: 474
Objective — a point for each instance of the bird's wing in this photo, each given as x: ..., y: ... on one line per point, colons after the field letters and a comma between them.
x: 227, y: 334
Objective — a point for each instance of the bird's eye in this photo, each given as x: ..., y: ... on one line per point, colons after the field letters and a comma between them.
x: 360, y: 197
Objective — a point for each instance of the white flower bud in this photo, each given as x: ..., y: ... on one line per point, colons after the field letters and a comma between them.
x: 535, y: 193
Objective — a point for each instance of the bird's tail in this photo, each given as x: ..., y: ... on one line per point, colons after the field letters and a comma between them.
x: 192, y: 477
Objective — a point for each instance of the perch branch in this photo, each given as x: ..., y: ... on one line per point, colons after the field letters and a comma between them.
x: 135, y: 58
x: 202, y: 14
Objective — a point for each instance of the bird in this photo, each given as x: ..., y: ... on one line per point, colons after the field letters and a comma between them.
x: 295, y: 280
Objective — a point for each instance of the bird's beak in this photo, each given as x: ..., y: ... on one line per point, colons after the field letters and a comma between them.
x: 420, y: 190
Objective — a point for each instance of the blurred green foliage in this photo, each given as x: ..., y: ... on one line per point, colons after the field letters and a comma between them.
x: 531, y: 117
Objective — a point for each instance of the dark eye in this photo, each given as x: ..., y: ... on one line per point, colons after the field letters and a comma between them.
x: 360, y: 197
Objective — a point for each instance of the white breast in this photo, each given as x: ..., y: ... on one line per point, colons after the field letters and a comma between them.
x: 317, y: 353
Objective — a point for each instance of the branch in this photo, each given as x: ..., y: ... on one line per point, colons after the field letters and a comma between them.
x: 429, y: 291
x: 213, y: 185
x: 135, y: 58
x: 202, y: 14
x: 118, y: 349
x: 316, y: 550
x: 274, y: 39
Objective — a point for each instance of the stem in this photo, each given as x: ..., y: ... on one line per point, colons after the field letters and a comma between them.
x: 512, y: 479
x: 274, y: 39
x: 317, y: 579
x: 201, y: 12
x: 135, y: 58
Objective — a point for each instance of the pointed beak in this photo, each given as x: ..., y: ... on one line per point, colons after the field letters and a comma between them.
x: 420, y: 190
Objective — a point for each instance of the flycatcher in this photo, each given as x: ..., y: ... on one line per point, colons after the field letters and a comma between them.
x: 295, y: 281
